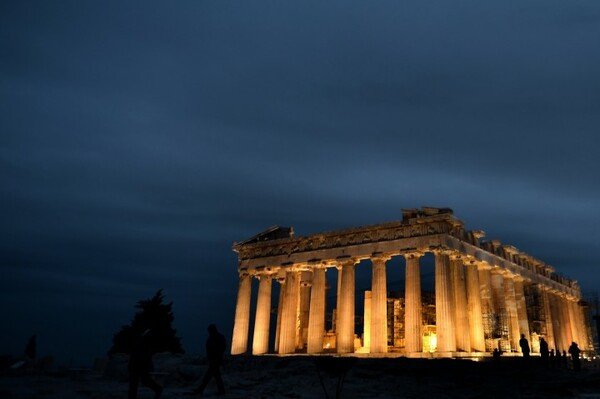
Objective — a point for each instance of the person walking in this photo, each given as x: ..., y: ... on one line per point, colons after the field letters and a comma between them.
x: 140, y: 365
x: 215, y: 348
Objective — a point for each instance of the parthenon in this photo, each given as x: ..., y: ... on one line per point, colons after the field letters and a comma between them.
x: 486, y: 294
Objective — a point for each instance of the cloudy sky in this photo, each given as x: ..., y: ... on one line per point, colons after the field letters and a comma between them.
x: 139, y: 140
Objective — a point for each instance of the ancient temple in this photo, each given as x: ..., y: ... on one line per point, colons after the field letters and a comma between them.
x: 486, y: 294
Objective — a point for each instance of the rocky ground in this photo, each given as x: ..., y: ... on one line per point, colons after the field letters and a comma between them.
x: 307, y: 377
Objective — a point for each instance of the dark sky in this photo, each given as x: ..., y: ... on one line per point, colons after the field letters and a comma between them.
x: 139, y: 140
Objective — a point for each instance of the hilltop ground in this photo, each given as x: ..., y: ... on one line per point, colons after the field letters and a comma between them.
x: 306, y: 377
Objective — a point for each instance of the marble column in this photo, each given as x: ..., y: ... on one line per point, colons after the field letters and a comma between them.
x: 260, y: 342
x: 487, y: 300
x: 336, y: 311
x: 474, y: 308
x: 345, y: 331
x: 303, y: 310
x: 564, y: 322
x: 564, y: 306
x: 563, y: 325
x: 512, y: 313
x: 379, y: 306
x: 280, y: 306
x: 500, y: 313
x: 241, y: 326
x: 367, y: 321
x: 583, y: 327
x: 287, y: 339
x: 519, y: 284
x: 547, y: 316
x: 413, y: 313
x: 556, y: 322
x: 461, y: 314
x: 316, y: 318
x: 574, y: 322
x: 446, y: 335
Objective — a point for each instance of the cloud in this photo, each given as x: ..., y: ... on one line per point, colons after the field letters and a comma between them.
x: 140, y: 142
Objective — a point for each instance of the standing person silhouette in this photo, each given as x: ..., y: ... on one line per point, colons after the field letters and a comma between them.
x: 215, y: 348
x: 574, y: 351
x: 544, y: 352
x: 524, y: 344
x: 140, y: 365
x: 558, y: 359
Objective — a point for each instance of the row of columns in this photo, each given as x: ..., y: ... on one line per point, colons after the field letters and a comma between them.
x: 468, y: 295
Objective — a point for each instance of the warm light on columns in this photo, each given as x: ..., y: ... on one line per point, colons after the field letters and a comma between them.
x: 498, y: 291
x: 474, y: 304
x: 574, y: 322
x: 338, y: 292
x: 413, y: 309
x: 260, y: 342
x: 367, y: 321
x: 461, y: 316
x: 559, y: 336
x: 316, y: 318
x: 241, y: 326
x: 287, y: 339
x: 281, y: 281
x: 379, y: 306
x: 519, y: 284
x: 564, y: 305
x: 584, y: 332
x: 547, y: 316
x: 580, y: 328
x: 303, y: 309
x: 511, y: 309
x: 487, y: 300
x: 446, y: 335
x: 345, y: 328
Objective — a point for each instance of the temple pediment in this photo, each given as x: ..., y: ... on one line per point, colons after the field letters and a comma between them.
x: 272, y: 233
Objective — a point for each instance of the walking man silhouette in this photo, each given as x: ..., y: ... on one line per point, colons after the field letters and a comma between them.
x: 215, y: 348
x: 140, y: 365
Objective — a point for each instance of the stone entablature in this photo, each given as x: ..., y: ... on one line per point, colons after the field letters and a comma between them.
x: 480, y: 290
x: 416, y: 227
x: 425, y: 230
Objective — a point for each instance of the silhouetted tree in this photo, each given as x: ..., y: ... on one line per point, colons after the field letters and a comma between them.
x: 155, y: 316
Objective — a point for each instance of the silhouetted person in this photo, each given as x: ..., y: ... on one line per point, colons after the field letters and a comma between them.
x: 31, y: 348
x: 496, y: 355
x: 565, y: 360
x: 552, y: 359
x: 524, y: 344
x: 544, y: 352
x: 574, y: 352
x: 140, y: 365
x: 215, y: 348
x: 558, y: 359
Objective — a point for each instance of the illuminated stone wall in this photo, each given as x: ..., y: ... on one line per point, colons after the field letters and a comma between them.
x: 486, y: 293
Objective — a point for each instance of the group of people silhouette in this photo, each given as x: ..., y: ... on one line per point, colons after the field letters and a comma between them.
x: 549, y: 357
x: 140, y: 363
